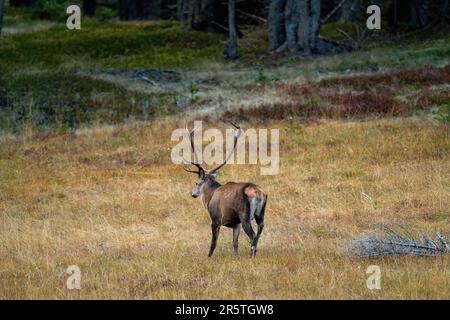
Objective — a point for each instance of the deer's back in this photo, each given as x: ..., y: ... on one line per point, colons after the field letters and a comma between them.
x: 231, y: 201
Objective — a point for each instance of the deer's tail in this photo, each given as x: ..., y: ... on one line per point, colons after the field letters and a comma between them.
x: 257, y: 199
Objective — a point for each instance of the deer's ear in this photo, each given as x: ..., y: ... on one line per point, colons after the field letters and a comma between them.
x: 201, y: 174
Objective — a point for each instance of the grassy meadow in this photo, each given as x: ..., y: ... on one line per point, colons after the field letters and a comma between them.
x: 86, y: 177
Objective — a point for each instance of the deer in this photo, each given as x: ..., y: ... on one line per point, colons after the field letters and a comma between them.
x: 233, y: 204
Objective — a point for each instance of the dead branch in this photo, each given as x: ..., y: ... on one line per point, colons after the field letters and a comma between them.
x: 333, y: 11
x: 398, y: 239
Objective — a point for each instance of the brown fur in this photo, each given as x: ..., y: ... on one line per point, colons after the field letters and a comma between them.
x: 229, y: 205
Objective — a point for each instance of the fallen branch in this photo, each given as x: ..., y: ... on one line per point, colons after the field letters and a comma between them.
x: 399, y: 240
x: 220, y: 26
x: 252, y: 16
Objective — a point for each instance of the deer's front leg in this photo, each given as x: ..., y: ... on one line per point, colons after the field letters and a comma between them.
x: 215, y: 228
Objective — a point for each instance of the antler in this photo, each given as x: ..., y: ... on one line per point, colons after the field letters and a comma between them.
x: 236, y: 137
x: 195, y: 162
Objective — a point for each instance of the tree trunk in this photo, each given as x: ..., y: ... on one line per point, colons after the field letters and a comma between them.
x: 444, y: 11
x: 313, y: 27
x: 142, y: 9
x: 200, y: 14
x: 303, y: 27
x: 182, y: 9
x: 127, y: 10
x: 277, y: 34
x: 206, y: 15
x: 294, y: 25
x: 308, y: 31
x: 419, y: 13
x: 292, y: 22
x: 89, y: 7
x: 231, y: 49
x: 1, y: 15
x: 150, y: 9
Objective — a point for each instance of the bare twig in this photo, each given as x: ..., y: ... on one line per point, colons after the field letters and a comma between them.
x: 333, y: 11
x: 345, y: 34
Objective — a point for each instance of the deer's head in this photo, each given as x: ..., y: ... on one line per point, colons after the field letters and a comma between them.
x: 207, y: 177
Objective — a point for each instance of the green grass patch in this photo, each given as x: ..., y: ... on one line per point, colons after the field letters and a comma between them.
x: 54, y: 10
x: 151, y: 44
x: 376, y: 55
x: 16, y: 15
x: 65, y: 101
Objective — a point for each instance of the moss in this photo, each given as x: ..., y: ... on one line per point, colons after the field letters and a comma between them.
x: 331, y: 30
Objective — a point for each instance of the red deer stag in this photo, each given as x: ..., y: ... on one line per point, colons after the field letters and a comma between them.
x: 230, y: 205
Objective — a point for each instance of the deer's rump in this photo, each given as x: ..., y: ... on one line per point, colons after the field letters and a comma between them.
x: 234, y: 202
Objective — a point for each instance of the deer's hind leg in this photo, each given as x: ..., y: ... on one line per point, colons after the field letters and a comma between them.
x: 236, y: 232
x: 259, y: 218
x: 247, y: 226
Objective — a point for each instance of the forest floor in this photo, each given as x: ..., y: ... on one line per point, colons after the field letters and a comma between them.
x: 363, y: 141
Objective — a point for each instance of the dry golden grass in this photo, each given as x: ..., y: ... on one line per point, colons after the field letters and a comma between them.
x: 110, y: 201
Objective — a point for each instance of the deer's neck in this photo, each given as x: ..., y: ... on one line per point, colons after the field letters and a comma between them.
x: 208, y: 191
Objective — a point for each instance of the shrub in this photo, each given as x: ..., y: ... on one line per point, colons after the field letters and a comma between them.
x: 105, y: 13
x: 443, y: 113
x: 54, y: 10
